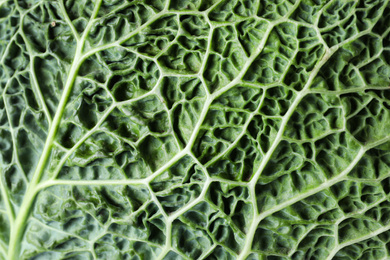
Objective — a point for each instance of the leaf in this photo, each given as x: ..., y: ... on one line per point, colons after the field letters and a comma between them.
x: 223, y: 129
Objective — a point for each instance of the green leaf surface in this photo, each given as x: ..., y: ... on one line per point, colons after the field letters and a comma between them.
x: 194, y: 129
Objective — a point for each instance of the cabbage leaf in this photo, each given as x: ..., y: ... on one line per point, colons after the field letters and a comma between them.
x: 194, y: 129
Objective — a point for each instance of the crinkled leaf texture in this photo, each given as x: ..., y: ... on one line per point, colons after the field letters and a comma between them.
x: 194, y: 129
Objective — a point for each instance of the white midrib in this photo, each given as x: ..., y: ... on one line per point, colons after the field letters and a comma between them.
x: 18, y: 228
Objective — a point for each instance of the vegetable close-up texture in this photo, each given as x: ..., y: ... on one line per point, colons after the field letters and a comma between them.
x: 195, y: 129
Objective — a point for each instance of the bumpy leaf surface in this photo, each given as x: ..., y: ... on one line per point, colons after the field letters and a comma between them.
x: 194, y: 129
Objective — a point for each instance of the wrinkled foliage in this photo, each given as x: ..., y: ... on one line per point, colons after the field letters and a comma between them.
x: 194, y: 129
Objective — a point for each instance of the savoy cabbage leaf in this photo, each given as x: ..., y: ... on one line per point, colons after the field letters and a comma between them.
x: 194, y: 129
